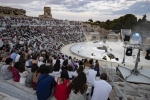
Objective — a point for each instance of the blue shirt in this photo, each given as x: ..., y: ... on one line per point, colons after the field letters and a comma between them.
x: 44, y: 87
x: 13, y: 56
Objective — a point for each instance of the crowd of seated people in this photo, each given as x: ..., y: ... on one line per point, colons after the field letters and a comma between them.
x: 31, y: 56
x: 39, y: 75
x: 24, y: 21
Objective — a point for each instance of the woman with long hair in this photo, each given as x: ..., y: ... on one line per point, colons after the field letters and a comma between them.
x: 79, y: 70
x: 15, y: 72
x: 70, y: 72
x: 57, y: 69
x: 23, y: 73
x: 22, y: 58
x: 63, y: 86
x: 64, y: 66
x: 34, y: 59
x: 86, y: 63
x: 79, y: 88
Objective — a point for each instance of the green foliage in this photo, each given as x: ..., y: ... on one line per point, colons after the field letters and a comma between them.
x: 90, y: 20
x: 128, y: 21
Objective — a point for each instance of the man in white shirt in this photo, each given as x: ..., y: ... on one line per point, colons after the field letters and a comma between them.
x: 101, y: 88
x: 61, y: 61
x: 53, y: 60
x: 91, y: 75
x: 40, y: 62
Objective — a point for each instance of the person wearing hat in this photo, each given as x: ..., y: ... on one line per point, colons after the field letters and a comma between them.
x: 6, y: 72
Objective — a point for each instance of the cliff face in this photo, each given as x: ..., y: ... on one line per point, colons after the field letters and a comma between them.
x: 12, y: 11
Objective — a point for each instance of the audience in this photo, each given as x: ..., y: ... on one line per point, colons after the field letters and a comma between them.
x: 15, y: 72
x: 96, y: 68
x: 6, y: 70
x: 57, y: 69
x: 1, y: 63
x: 78, y: 71
x: 23, y: 73
x: 73, y: 64
x: 28, y: 62
x: 101, y: 88
x: 63, y: 86
x: 91, y: 75
x: 49, y: 64
x: 79, y: 88
x: 70, y: 72
x: 45, y: 84
x: 64, y: 66
x: 30, y: 46
x: 35, y: 77
x: 29, y: 78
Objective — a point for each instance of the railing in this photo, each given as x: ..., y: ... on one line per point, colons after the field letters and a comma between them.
x: 122, y: 92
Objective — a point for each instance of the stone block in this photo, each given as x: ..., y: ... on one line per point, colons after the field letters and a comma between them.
x: 20, y: 86
x: 11, y: 81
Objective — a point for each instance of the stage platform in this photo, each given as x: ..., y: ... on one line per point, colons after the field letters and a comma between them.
x: 86, y: 49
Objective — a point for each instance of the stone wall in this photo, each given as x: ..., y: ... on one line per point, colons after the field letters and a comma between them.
x: 12, y: 11
x: 95, y: 28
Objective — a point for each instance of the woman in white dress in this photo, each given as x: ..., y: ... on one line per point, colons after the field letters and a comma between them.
x: 23, y: 73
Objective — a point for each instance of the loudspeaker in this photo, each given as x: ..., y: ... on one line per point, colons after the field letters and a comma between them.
x: 127, y: 38
x: 129, y: 52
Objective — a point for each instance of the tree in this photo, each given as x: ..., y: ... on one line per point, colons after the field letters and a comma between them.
x: 108, y: 23
x: 139, y: 21
x: 144, y: 18
x: 97, y: 22
x: 90, y: 20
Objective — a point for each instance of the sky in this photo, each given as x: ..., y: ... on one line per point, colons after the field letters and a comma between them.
x: 82, y: 10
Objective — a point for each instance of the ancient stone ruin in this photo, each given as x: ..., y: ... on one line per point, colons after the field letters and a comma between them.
x: 47, y: 13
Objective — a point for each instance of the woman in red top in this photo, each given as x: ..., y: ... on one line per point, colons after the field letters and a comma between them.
x: 63, y: 86
x: 15, y: 72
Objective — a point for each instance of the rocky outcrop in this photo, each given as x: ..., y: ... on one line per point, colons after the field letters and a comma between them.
x: 11, y: 11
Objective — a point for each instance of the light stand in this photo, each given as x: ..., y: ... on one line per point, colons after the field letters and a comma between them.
x: 135, y: 70
x: 123, y: 61
x: 133, y: 75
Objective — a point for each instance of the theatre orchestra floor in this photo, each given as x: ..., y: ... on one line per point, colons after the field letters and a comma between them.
x: 86, y: 49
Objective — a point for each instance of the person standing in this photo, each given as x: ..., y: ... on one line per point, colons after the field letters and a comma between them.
x: 101, y: 88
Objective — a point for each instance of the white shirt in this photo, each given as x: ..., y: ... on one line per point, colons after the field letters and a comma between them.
x: 54, y: 61
x: 101, y: 90
x: 75, y: 74
x: 70, y: 74
x: 1, y: 42
x: 91, y: 76
x: 28, y: 62
x: 17, y: 58
x: 23, y: 76
x: 40, y: 63
x: 61, y: 62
